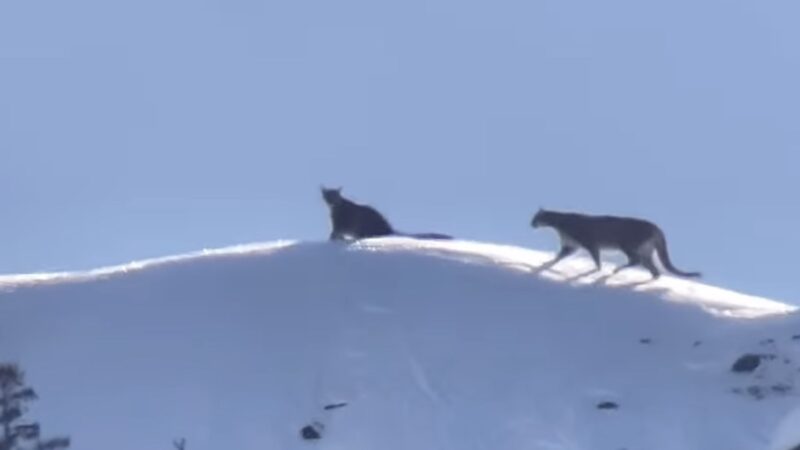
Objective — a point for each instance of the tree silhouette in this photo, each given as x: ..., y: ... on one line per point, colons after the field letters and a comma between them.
x: 16, y: 434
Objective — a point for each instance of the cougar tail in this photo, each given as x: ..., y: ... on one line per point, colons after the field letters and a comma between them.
x: 663, y: 255
x: 438, y: 236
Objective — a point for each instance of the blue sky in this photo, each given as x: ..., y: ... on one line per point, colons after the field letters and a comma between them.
x: 146, y: 128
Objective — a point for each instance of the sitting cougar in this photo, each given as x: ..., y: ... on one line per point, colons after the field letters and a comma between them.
x: 637, y: 238
x: 351, y: 220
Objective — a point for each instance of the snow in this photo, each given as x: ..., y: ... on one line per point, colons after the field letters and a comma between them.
x: 431, y: 345
x: 787, y: 436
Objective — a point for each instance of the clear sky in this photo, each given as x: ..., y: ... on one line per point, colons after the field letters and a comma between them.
x: 150, y: 127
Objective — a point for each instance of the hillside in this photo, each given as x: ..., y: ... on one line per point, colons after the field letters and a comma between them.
x: 421, y: 345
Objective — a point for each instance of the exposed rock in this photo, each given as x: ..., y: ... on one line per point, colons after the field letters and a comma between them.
x: 334, y: 406
x: 756, y: 391
x: 312, y: 432
x: 607, y: 405
x: 781, y: 388
x: 746, y: 363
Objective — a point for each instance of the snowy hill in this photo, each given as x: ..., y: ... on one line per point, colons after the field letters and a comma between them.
x: 422, y: 345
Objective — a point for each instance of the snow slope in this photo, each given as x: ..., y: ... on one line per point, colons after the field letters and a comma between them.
x: 431, y: 345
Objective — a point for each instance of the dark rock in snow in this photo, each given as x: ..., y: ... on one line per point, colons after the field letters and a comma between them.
x: 645, y: 340
x: 607, y: 405
x: 760, y: 392
x: 756, y: 391
x: 768, y: 341
x: 334, y: 406
x: 796, y: 447
x: 796, y: 337
x: 697, y: 343
x: 312, y: 432
x: 781, y: 388
x: 746, y: 363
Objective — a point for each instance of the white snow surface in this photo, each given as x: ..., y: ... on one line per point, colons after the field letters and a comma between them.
x: 442, y: 345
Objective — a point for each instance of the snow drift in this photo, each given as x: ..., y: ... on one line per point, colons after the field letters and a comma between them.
x: 409, y: 344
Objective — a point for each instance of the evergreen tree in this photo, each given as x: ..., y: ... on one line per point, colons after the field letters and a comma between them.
x: 15, y: 433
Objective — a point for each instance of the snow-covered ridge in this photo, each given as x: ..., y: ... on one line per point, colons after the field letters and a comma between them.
x: 714, y: 299
x: 14, y: 281
x: 425, y: 345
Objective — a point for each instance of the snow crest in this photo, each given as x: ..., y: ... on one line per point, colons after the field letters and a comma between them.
x: 398, y: 344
